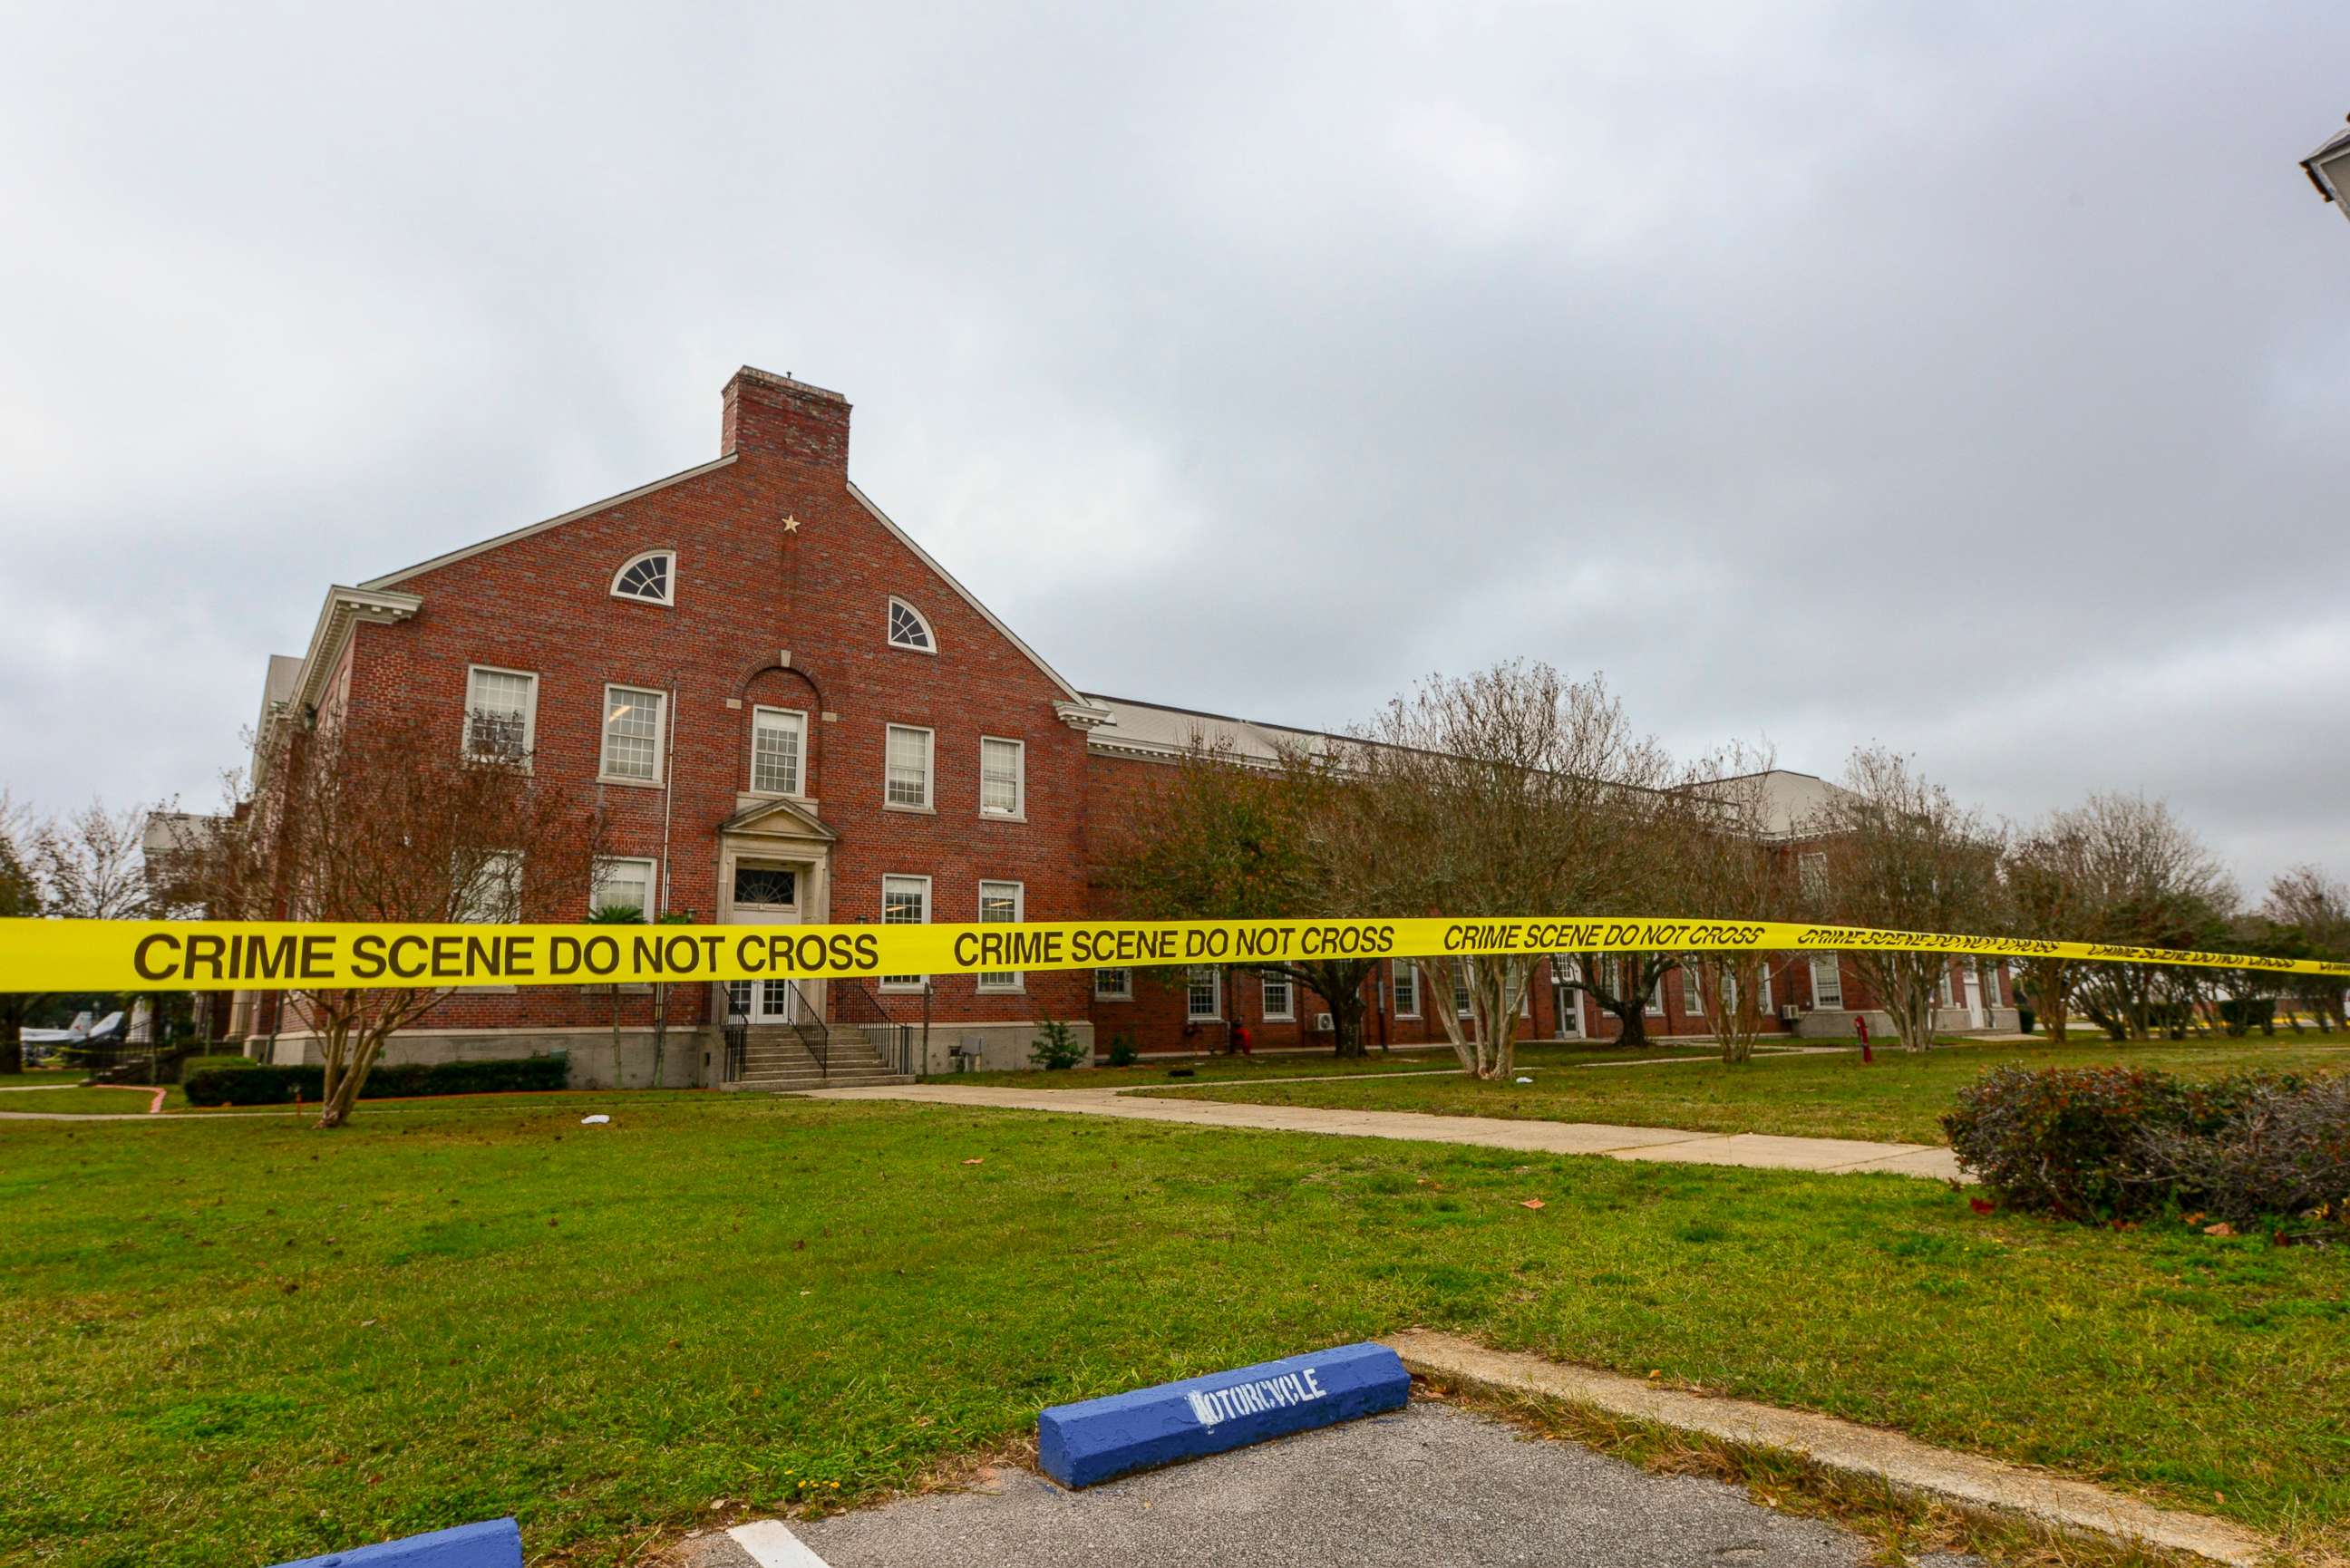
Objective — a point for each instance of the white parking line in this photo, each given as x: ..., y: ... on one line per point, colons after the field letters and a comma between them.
x: 771, y: 1544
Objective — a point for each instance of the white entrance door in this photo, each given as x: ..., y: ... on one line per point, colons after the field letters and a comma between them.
x: 1566, y: 1001
x: 1978, y: 1015
x: 764, y: 893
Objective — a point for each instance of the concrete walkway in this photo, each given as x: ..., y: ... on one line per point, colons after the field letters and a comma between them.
x: 1759, y: 1150
x: 1429, y: 1484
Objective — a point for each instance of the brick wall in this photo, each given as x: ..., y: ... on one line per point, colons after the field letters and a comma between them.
x: 749, y: 590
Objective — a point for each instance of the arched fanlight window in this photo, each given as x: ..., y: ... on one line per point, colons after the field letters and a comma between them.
x: 651, y: 578
x: 909, y: 629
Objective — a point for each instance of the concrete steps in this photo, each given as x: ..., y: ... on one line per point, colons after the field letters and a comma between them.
x: 776, y: 1061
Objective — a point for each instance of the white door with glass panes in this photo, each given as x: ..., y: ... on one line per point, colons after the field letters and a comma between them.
x: 764, y: 893
x: 1566, y: 1001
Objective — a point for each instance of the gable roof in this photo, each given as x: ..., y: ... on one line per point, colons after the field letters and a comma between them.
x: 393, y: 579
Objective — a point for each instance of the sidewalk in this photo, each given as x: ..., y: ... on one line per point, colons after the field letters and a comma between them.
x: 1759, y: 1150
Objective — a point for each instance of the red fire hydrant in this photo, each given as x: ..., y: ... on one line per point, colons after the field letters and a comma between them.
x: 1861, y: 1027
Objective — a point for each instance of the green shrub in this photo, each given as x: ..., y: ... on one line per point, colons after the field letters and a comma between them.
x: 1122, y: 1053
x: 2109, y: 1143
x: 1056, y: 1047
x: 251, y: 1084
x: 2283, y: 1149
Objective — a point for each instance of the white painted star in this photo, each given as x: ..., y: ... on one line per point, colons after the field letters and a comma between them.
x: 791, y: 525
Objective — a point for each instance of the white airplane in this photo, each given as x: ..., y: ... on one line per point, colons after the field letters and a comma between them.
x: 81, y: 1028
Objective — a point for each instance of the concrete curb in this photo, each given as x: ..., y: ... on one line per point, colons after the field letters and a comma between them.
x: 1845, y: 1446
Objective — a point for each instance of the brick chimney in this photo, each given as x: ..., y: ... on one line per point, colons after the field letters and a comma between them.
x: 767, y: 414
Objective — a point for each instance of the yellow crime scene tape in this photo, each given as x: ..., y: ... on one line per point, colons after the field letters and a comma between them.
x: 233, y: 955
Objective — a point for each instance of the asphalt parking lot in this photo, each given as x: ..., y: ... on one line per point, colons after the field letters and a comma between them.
x: 1429, y: 1484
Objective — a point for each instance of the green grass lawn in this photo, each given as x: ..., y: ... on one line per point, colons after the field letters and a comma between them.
x: 61, y: 1091
x: 236, y: 1341
x: 1899, y: 1097
x: 1316, y: 1064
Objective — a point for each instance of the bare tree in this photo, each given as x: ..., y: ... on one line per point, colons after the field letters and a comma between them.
x: 2046, y: 893
x: 1221, y: 837
x: 93, y: 865
x: 2152, y: 883
x: 20, y: 899
x: 382, y: 824
x: 1505, y: 792
x: 2312, y: 912
x: 1728, y: 869
x: 1900, y: 854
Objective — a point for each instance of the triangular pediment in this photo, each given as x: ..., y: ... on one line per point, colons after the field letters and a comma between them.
x: 777, y: 819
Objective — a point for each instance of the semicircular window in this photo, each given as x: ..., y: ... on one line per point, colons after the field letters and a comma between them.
x: 651, y: 578
x: 908, y: 629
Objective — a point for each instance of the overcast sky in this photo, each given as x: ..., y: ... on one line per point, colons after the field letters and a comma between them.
x: 1975, y: 380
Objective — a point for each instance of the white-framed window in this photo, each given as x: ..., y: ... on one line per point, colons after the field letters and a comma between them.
x: 1762, y: 976
x: 778, y: 750
x: 1113, y: 985
x: 1406, y: 980
x: 1003, y: 778
x: 1280, y: 999
x: 1827, y: 981
x: 501, y: 713
x: 627, y: 880
x: 1464, y: 1004
x: 1811, y: 872
x: 1657, y: 997
x: 1203, y: 993
x: 907, y: 764
x: 490, y: 893
x: 1942, y: 992
x: 632, y: 735
x: 905, y: 901
x: 909, y: 629
x: 1692, y: 994
x: 650, y: 578
x: 1001, y: 904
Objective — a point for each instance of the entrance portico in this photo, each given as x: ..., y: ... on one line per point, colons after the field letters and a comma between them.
x: 775, y: 868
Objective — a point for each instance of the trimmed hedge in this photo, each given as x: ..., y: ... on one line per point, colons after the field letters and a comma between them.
x: 255, y: 1084
x: 2095, y: 1144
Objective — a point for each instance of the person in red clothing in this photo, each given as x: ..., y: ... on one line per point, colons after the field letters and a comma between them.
x: 1241, y: 1041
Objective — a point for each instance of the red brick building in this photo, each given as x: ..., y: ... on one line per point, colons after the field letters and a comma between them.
x: 788, y: 712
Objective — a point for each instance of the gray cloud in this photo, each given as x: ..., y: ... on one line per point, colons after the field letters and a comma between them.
x: 1962, y: 379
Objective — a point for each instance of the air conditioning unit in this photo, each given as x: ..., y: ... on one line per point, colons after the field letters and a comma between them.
x: 1322, y: 1024
x: 1790, y: 1013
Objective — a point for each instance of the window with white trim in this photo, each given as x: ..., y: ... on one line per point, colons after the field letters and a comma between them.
x: 1657, y: 995
x: 490, y: 893
x: 1280, y: 999
x: 1113, y: 985
x: 651, y: 578
x: 907, y: 762
x: 1811, y: 872
x: 1464, y: 1004
x: 1003, y: 778
x: 905, y: 901
x: 1692, y: 994
x: 909, y: 629
x: 1406, y: 980
x: 778, y: 743
x: 501, y: 713
x: 1827, y: 981
x: 625, y: 881
x: 1203, y: 993
x: 633, y: 733
x: 1000, y: 905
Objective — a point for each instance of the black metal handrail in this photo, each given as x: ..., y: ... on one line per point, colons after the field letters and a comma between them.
x: 816, y: 1039
x: 737, y: 1029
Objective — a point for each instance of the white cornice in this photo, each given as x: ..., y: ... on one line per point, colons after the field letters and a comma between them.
x: 345, y: 608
